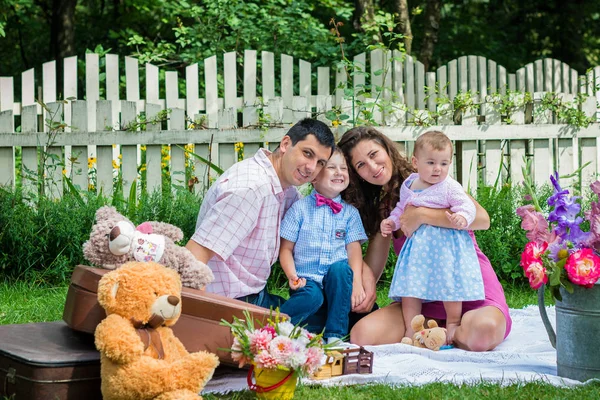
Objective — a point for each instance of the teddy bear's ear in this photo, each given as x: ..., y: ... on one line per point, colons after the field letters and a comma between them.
x: 105, y: 212
x: 108, y: 288
x: 114, y: 289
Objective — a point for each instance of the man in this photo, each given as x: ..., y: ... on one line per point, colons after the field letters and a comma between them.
x: 237, y: 232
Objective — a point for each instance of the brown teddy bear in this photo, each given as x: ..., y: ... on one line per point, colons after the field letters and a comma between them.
x: 432, y: 338
x: 114, y: 240
x: 140, y: 356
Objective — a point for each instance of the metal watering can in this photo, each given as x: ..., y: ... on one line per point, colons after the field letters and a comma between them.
x: 577, y: 337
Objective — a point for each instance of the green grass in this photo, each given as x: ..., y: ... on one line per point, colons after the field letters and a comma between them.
x: 432, y: 391
x: 23, y: 303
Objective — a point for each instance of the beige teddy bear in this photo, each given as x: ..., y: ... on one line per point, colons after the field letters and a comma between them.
x: 114, y: 240
x: 140, y: 356
x: 432, y: 338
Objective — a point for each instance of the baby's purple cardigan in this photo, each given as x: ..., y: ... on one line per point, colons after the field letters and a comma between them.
x: 446, y: 194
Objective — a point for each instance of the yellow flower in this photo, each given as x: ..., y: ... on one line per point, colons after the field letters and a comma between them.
x: 65, y: 171
x: 120, y: 156
x: 91, y: 186
x: 91, y: 162
x: 335, y: 123
x: 143, y: 148
x: 167, y: 157
x: 163, y: 165
x: 142, y: 169
x: 116, y: 165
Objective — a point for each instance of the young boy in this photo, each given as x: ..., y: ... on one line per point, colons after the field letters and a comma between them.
x: 321, y: 234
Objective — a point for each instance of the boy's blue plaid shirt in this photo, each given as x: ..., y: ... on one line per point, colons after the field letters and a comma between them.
x: 320, y: 236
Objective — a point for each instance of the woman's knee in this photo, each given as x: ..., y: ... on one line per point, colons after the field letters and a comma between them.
x: 484, y: 333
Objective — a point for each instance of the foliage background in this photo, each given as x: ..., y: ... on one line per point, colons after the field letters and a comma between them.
x: 176, y: 33
x: 42, y: 244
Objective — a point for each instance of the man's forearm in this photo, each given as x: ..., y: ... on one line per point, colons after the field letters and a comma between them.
x: 201, y: 253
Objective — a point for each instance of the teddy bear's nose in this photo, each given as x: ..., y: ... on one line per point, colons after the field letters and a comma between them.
x: 173, y: 300
x: 114, y: 233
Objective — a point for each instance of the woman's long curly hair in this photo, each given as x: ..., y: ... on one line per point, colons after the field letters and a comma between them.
x: 372, y: 201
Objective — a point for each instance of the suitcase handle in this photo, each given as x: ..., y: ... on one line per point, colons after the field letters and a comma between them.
x: 9, y: 378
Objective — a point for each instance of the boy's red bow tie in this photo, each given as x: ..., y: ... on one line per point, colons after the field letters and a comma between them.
x: 322, y: 200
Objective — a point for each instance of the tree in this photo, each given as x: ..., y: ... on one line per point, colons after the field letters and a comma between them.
x: 404, y: 25
x: 430, y: 31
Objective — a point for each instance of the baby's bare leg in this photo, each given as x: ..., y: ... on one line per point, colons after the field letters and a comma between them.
x: 411, y: 307
x: 453, y: 316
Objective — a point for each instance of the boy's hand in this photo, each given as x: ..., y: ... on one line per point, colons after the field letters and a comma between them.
x: 386, y: 227
x: 458, y: 221
x: 358, y: 294
x: 296, y: 283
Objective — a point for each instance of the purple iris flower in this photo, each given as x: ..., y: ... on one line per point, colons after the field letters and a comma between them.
x: 565, y: 214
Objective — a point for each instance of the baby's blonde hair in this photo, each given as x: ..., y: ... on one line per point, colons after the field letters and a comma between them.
x: 436, y: 139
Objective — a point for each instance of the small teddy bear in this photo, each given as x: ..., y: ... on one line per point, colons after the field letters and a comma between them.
x: 140, y: 356
x: 432, y: 338
x: 114, y: 240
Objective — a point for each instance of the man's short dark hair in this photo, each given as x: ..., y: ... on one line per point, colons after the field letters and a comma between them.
x: 308, y: 126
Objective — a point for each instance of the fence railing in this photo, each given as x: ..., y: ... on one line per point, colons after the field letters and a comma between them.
x: 487, y: 149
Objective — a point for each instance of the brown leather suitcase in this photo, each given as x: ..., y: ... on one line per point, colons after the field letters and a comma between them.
x: 198, y: 327
x: 48, y: 360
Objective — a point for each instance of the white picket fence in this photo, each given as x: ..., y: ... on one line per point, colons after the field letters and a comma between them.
x: 486, y: 147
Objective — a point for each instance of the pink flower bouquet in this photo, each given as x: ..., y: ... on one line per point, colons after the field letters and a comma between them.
x: 276, y: 345
x: 559, y: 252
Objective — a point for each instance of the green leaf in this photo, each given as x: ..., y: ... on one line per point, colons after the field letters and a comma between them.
x: 214, y: 167
x: 73, y: 190
x: 132, y: 201
x: 378, y: 72
x: 331, y: 115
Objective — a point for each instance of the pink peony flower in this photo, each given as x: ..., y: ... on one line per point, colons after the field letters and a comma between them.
x: 265, y: 360
x: 583, y: 267
x: 270, y: 329
x: 536, y: 273
x: 259, y: 340
x: 237, y: 354
x: 313, y: 358
x: 281, y: 348
x: 532, y: 254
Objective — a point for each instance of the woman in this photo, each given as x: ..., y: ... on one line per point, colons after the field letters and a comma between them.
x: 376, y: 173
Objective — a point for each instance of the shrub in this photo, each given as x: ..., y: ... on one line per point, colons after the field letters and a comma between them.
x: 43, y: 243
x: 504, y: 241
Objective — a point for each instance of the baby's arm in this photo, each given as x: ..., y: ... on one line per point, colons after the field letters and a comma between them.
x: 356, y: 263
x: 391, y: 223
x: 463, y: 209
x: 286, y: 259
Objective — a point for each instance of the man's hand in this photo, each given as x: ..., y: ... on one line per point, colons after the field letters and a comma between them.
x: 369, y: 286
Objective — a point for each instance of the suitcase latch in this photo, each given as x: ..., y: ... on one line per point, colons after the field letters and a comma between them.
x: 10, y: 375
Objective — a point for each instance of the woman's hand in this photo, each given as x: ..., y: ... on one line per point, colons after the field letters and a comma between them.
x: 369, y: 286
x: 410, y: 220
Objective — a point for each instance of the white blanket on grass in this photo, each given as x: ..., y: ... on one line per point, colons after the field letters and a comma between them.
x: 525, y: 356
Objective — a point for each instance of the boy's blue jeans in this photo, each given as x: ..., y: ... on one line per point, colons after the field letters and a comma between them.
x: 327, y: 307
x: 263, y: 299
